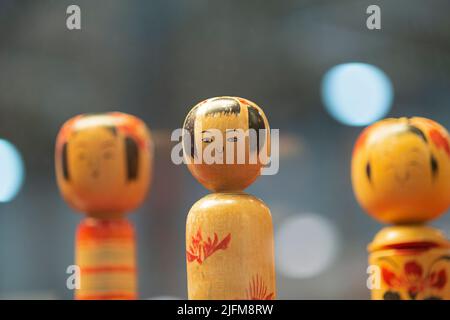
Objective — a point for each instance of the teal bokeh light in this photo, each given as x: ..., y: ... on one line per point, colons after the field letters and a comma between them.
x: 12, y: 171
x: 357, y: 94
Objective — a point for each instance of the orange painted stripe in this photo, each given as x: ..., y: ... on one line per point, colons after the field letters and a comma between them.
x: 107, y: 269
x: 107, y: 296
x: 90, y: 229
x: 112, y: 241
x: 106, y: 236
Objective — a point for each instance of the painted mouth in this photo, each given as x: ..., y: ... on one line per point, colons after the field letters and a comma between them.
x: 402, y: 179
x: 95, y: 174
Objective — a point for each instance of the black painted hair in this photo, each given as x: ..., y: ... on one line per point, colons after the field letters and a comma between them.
x: 189, y: 126
x: 223, y: 106
x: 132, y: 153
x: 232, y: 106
x: 256, y: 122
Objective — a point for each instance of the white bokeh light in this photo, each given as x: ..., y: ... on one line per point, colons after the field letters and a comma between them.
x: 357, y: 94
x: 11, y: 171
x: 305, y: 245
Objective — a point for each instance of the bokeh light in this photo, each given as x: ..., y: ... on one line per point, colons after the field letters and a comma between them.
x: 11, y: 171
x: 305, y: 245
x: 357, y: 94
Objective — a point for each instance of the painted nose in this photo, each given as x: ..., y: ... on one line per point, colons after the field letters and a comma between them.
x: 95, y: 168
x: 402, y: 176
x: 95, y: 173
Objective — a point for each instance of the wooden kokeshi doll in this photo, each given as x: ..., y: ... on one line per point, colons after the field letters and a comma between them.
x: 229, y: 234
x: 401, y: 176
x: 103, y: 169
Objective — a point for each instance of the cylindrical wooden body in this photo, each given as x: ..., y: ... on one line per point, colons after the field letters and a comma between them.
x: 229, y: 248
x: 105, y: 253
x: 413, y: 264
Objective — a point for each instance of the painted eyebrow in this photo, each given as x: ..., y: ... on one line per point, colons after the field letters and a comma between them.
x: 107, y: 144
x: 228, y: 130
x: 417, y: 132
x: 205, y: 131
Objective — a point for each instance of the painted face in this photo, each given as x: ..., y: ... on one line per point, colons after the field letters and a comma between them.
x: 227, y: 153
x: 103, y: 163
x: 401, y: 170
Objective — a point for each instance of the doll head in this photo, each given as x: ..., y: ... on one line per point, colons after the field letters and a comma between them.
x: 401, y: 170
x: 226, y: 143
x: 104, y: 163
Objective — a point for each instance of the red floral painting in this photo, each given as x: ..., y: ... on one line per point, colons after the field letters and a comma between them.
x: 414, y: 278
x: 200, y: 249
x: 257, y: 290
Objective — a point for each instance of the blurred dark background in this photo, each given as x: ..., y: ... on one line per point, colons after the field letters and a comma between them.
x: 156, y: 59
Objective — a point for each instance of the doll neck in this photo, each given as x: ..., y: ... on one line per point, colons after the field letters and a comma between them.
x: 106, y: 215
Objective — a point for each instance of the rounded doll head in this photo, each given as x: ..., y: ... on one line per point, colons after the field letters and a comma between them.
x: 401, y: 170
x: 225, y: 142
x: 104, y: 163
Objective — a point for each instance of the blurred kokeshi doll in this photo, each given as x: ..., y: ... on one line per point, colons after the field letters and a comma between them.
x: 103, y: 169
x: 401, y: 176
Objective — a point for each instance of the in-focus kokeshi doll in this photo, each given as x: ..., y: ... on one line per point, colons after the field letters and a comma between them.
x: 401, y: 176
x: 229, y: 234
x: 103, y: 169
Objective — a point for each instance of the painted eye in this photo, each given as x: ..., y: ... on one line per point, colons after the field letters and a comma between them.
x: 414, y: 163
x: 82, y: 156
x: 434, y: 166
x: 208, y: 139
x: 369, y: 172
x: 107, y: 155
x: 232, y: 139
